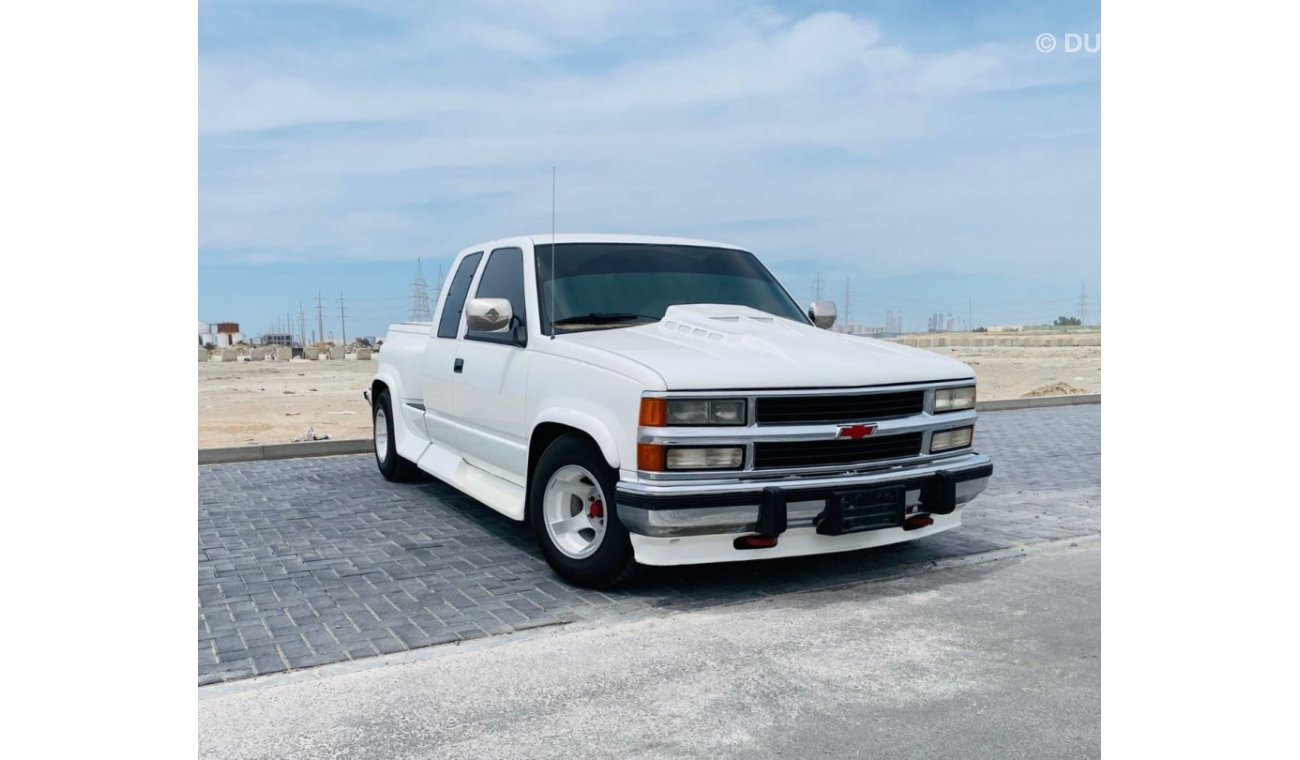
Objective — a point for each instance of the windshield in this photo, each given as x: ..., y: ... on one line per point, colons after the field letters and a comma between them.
x: 604, y: 285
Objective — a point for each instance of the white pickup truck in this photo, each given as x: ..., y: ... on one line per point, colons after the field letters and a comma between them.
x: 661, y: 401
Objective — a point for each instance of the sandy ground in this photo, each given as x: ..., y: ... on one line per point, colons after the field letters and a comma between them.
x: 275, y: 402
x: 246, y: 403
x: 1015, y: 372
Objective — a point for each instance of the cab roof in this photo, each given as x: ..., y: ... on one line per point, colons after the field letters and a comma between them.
x: 544, y: 239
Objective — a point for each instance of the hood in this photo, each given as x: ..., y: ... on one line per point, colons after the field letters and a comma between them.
x: 708, y: 346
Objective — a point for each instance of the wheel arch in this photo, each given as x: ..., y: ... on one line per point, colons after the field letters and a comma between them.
x: 386, y: 381
x: 408, y: 430
x: 376, y: 387
x: 551, y: 427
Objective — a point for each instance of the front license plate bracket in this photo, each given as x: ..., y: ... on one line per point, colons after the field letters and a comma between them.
x: 854, y: 511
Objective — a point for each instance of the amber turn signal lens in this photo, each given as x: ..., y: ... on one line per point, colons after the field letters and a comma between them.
x: 649, y: 457
x: 654, y: 412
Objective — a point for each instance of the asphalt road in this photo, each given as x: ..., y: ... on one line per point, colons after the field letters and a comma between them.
x: 997, y: 660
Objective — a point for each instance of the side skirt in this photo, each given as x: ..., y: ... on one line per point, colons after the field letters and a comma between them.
x: 410, y: 438
x: 446, y: 465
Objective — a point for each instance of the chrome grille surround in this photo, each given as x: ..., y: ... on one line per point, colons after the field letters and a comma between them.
x: 925, y: 422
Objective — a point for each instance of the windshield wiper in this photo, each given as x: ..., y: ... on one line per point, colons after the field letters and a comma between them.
x: 603, y: 318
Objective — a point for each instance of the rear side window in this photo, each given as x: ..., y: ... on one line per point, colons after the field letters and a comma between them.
x: 503, y: 277
x: 449, y: 323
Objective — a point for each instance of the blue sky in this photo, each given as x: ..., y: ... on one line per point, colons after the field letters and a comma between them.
x: 926, y: 150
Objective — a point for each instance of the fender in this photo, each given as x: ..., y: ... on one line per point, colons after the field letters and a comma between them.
x: 388, y: 376
x: 411, y: 436
x: 588, y: 424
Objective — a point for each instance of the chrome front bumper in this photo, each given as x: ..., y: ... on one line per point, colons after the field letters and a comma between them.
x: 662, y: 510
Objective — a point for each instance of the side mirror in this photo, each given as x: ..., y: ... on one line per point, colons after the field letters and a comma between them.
x: 488, y: 314
x: 822, y: 313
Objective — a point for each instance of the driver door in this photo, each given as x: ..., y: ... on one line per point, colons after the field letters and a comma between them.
x: 490, y: 384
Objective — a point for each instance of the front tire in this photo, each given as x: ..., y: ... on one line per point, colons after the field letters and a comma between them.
x: 391, y: 464
x: 574, y: 517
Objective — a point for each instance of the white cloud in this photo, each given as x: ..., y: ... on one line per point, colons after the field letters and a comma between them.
x: 818, y: 136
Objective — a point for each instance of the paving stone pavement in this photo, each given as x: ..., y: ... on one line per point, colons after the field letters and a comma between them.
x: 310, y: 561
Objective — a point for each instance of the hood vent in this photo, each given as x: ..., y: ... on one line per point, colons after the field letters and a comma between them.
x: 694, y: 320
x: 690, y: 330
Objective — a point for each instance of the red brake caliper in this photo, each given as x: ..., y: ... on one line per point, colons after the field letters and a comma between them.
x: 596, y: 509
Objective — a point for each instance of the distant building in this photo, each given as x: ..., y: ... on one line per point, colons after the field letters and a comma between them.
x: 220, y: 334
x: 857, y: 329
x: 940, y: 323
x: 277, y: 339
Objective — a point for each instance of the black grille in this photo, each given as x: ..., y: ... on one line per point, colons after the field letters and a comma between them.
x: 811, y: 410
x: 771, y: 455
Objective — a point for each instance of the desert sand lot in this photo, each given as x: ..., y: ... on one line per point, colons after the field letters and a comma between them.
x: 247, y: 403
x: 276, y: 402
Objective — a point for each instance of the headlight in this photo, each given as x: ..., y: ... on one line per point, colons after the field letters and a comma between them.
x: 726, y: 458
x: 951, y: 439
x: 691, y: 412
x: 706, y: 411
x: 954, y: 399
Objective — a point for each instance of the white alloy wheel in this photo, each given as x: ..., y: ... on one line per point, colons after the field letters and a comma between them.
x: 381, y: 434
x: 575, y: 511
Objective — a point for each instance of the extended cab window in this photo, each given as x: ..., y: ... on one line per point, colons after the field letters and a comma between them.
x: 449, y: 322
x: 503, y: 277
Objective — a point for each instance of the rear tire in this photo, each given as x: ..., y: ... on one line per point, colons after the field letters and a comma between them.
x: 571, y: 506
x: 391, y: 464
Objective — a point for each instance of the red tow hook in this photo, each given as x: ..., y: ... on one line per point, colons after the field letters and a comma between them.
x: 755, y: 542
x: 918, y: 521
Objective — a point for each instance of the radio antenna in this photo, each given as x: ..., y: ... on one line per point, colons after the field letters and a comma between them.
x: 552, y: 309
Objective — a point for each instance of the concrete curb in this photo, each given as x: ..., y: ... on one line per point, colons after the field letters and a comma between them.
x: 1002, y: 405
x: 365, y: 445
x: 286, y: 451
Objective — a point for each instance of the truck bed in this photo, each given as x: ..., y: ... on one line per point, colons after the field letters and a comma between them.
x: 403, y: 351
